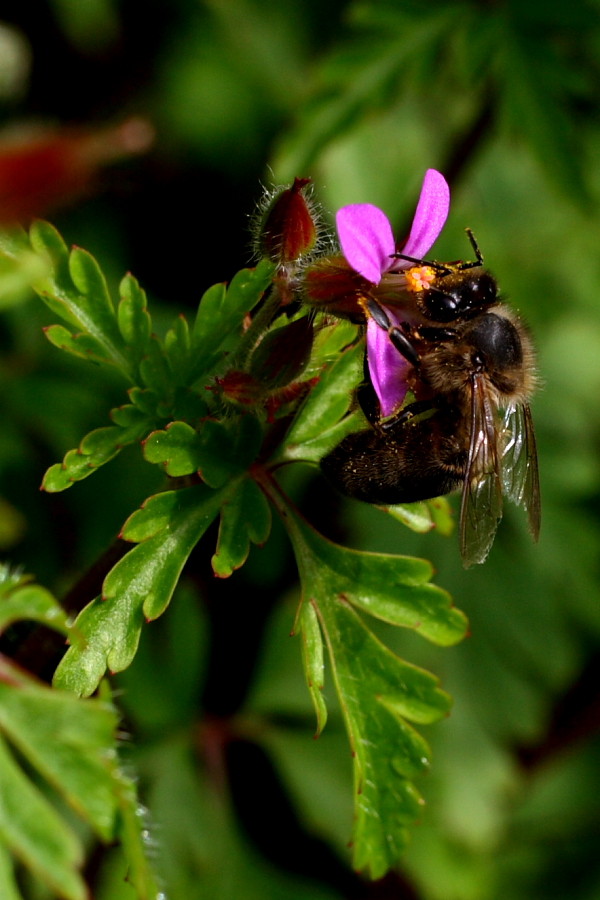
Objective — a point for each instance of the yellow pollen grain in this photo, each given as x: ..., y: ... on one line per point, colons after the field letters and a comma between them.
x: 419, y: 278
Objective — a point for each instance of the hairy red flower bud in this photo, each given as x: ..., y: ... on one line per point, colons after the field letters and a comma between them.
x: 287, y: 228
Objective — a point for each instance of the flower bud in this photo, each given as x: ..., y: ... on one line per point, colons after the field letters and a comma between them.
x: 287, y: 226
x: 283, y: 353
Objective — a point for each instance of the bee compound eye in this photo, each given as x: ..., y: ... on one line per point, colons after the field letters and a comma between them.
x: 496, y: 340
x: 441, y: 306
x: 482, y: 291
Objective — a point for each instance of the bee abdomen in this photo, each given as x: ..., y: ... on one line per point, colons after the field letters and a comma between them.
x: 405, y: 467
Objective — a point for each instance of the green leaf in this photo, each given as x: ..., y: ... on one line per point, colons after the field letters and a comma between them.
x: 141, y: 584
x: 177, y: 349
x: 19, y: 601
x: 76, y: 290
x: 318, y: 425
x: 154, y: 370
x: 218, y: 452
x: 221, y: 313
x: 82, y: 345
x: 378, y: 691
x: 69, y: 745
x: 331, y: 339
x: 67, y: 742
x: 245, y: 519
x: 422, y: 517
x: 313, y: 657
x: 97, y: 448
x: 19, y: 266
x: 35, y: 834
x: 134, y: 319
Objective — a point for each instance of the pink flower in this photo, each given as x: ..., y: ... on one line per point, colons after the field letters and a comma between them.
x: 368, y: 245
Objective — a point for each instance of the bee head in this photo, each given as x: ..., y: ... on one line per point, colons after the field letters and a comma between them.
x: 459, y: 294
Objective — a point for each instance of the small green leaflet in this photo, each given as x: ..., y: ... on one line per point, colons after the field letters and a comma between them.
x: 141, y: 584
x: 221, y: 313
x: 98, y: 447
x: 217, y: 451
x: 76, y: 290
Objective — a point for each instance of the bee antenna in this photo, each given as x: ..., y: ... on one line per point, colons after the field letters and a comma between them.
x: 440, y: 267
x: 478, y: 254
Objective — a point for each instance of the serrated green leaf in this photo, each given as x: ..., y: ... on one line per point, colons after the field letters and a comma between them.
x: 35, y: 833
x: 181, y: 449
x: 139, y: 587
x: 68, y: 742
x: 390, y: 587
x: 221, y: 313
x: 378, y: 691
x: 81, y: 345
x: 128, y: 416
x: 218, y: 452
x: 153, y: 516
x: 145, y: 400
x: 416, y: 516
x: 101, y: 445
x: 97, y: 448
x: 319, y: 416
x: 47, y: 241
x: 154, y: 369
x: 33, y: 602
x: 245, y: 519
x: 331, y: 339
x: 133, y: 317
x: 70, y: 745
x: 313, y: 657
x: 91, y: 283
x: 76, y: 290
x: 20, y: 266
x: 177, y: 349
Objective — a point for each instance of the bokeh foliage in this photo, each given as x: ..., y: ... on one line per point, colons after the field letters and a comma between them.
x: 362, y: 97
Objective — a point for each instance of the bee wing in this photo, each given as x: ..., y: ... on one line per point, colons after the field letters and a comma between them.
x: 520, y: 477
x: 481, y: 506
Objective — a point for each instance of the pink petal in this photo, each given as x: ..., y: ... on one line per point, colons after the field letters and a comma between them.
x: 387, y: 368
x: 430, y: 215
x: 366, y: 238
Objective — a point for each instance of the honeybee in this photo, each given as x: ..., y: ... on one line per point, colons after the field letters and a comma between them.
x: 469, y: 426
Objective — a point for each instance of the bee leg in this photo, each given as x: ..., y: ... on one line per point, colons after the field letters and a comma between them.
x: 398, y: 338
x: 435, y: 335
x: 367, y: 398
x: 408, y: 413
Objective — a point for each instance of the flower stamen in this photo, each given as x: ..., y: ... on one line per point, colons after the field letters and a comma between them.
x: 419, y: 278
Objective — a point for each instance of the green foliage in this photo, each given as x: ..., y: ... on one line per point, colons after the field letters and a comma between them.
x: 378, y: 691
x: 204, y: 404
x: 53, y: 743
x: 362, y: 96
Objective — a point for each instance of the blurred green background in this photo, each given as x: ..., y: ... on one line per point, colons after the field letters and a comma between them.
x: 503, y: 98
